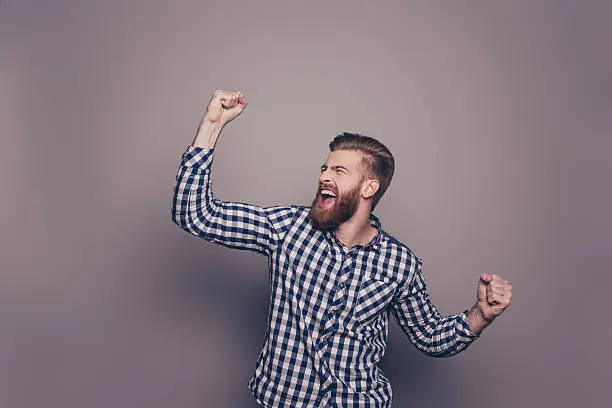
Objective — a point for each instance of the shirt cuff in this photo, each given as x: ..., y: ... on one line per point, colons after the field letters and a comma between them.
x: 463, y: 329
x: 197, y: 157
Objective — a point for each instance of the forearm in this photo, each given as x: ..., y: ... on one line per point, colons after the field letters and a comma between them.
x: 476, y: 321
x: 207, y: 134
x: 427, y: 329
x: 441, y: 336
x: 193, y: 206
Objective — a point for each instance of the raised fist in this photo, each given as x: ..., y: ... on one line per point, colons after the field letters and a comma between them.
x: 224, y: 106
x: 494, y: 294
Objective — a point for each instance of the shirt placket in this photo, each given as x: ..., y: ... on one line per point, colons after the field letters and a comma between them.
x: 343, y: 268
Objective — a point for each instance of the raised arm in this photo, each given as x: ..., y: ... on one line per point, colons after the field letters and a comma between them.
x: 432, y: 334
x: 223, y: 107
x: 194, y: 208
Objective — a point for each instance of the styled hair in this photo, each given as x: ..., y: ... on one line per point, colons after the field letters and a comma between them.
x: 377, y: 162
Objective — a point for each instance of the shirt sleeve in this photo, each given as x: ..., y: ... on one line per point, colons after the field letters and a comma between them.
x: 433, y: 334
x: 232, y: 224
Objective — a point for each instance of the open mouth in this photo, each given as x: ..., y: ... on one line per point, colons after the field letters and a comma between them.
x: 328, y: 197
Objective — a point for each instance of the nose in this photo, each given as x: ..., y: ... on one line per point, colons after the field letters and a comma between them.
x: 324, y: 177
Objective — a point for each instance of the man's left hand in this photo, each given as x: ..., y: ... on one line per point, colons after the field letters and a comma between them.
x: 494, y: 294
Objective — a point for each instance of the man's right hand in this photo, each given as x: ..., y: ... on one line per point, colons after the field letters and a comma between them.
x: 224, y: 106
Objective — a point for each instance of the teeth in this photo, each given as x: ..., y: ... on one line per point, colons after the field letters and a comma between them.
x: 328, y: 192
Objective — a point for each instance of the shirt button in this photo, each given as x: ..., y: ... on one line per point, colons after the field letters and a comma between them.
x: 325, y: 339
x: 341, y: 285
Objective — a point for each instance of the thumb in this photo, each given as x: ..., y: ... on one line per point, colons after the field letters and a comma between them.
x: 482, y: 286
x: 482, y: 291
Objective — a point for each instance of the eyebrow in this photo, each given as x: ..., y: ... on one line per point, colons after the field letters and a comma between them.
x: 335, y: 167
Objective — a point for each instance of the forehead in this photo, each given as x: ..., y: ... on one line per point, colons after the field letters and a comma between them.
x: 347, y: 158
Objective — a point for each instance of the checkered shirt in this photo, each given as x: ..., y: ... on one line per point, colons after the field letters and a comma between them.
x: 329, y: 305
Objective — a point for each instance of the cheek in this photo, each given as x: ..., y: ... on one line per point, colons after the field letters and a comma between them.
x: 347, y: 183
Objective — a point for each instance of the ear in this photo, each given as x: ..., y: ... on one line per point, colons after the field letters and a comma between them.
x: 370, y: 188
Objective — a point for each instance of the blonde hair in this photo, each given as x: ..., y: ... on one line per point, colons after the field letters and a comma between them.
x: 377, y: 162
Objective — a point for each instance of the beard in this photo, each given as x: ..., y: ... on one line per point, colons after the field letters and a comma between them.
x: 343, y: 208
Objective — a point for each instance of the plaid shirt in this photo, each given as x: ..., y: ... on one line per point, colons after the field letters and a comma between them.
x: 329, y: 308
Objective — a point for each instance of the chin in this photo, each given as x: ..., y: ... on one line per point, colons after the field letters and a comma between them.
x: 320, y: 220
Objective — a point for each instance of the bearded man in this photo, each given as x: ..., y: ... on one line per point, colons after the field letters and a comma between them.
x: 335, y: 275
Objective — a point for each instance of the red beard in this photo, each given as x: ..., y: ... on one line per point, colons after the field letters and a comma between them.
x: 329, y: 213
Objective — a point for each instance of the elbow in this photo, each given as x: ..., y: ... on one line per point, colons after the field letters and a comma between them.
x: 436, y: 351
x: 433, y: 345
x: 177, y: 216
x: 193, y: 207
x: 177, y: 209
x: 180, y: 220
x: 449, y: 352
x: 192, y: 221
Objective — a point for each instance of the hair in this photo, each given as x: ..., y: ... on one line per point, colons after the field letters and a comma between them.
x: 377, y: 162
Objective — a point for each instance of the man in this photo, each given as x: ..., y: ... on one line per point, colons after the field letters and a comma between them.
x: 335, y: 275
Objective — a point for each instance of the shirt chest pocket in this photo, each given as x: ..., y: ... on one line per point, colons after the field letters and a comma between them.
x: 373, y: 296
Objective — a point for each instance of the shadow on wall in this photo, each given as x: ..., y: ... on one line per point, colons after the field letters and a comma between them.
x: 226, y: 292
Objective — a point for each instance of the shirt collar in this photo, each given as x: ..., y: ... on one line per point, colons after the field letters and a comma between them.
x: 374, y: 244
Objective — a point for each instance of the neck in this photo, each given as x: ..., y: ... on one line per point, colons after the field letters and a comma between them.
x: 357, y: 230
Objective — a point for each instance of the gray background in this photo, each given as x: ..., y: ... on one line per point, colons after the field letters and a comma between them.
x: 498, y: 114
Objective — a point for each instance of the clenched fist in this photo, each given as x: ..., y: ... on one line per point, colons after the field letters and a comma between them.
x: 224, y: 106
x: 494, y: 294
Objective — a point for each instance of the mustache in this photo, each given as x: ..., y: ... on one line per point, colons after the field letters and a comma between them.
x: 327, y: 187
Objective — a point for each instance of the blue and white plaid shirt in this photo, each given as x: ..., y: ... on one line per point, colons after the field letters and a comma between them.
x: 330, y: 305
